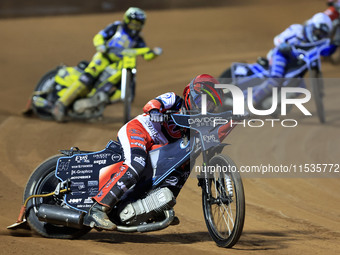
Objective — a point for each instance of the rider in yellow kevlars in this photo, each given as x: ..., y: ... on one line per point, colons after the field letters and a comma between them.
x: 109, y: 43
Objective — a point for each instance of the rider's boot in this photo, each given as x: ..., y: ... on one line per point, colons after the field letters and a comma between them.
x: 78, y: 88
x: 116, y: 96
x: 59, y: 111
x: 75, y: 90
x: 264, y: 90
x: 98, y: 218
x: 110, y: 194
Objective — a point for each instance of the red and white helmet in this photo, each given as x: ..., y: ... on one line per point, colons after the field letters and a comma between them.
x: 202, y: 84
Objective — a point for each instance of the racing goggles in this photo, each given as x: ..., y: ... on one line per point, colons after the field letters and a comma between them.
x: 135, y: 25
x: 210, y: 104
x: 320, y: 32
x: 196, y: 97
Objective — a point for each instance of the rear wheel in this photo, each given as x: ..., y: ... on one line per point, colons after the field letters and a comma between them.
x: 224, y: 203
x: 318, y: 93
x: 43, y: 89
x: 44, y: 181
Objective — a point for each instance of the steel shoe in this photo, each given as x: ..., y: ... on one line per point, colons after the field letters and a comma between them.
x: 98, y: 218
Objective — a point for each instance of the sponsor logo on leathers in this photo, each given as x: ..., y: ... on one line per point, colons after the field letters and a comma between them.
x: 140, y: 160
x: 172, y: 180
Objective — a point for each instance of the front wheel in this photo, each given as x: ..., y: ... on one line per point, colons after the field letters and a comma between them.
x: 224, y: 202
x: 44, y: 181
x: 128, y: 93
x: 317, y: 90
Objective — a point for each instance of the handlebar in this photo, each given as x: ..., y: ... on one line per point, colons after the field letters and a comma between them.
x: 131, y: 52
x: 210, y: 119
x: 209, y: 128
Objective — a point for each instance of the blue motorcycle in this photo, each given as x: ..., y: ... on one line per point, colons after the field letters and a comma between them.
x: 58, y: 194
x: 306, y: 58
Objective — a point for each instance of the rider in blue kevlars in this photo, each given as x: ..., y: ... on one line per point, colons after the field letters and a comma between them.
x: 314, y: 30
x: 116, y: 37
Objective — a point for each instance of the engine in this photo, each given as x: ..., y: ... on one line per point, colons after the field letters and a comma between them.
x: 143, y: 209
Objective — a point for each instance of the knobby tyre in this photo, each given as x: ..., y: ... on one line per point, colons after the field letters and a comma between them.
x: 43, y: 181
x: 224, y: 203
x: 41, y: 86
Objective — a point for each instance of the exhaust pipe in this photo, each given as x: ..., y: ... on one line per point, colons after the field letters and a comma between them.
x: 61, y: 216
x: 169, y: 217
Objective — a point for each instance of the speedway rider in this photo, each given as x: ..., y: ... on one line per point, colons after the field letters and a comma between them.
x: 314, y: 30
x: 109, y: 43
x: 147, y: 130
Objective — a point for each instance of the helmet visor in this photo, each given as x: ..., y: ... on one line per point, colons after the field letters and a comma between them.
x: 135, y: 25
x: 198, y: 103
x: 320, y: 33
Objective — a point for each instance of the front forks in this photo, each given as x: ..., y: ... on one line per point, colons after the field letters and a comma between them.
x: 224, y: 191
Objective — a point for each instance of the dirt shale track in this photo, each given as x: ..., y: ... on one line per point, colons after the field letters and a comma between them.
x: 284, y: 215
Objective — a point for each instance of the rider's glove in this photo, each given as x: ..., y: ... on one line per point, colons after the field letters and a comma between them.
x: 114, y: 53
x: 156, y: 116
x: 153, y: 53
x: 285, y: 48
x: 157, y: 51
x: 101, y: 48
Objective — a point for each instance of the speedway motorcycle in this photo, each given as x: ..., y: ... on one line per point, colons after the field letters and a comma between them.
x: 58, y: 194
x: 308, y: 59
x: 52, y: 84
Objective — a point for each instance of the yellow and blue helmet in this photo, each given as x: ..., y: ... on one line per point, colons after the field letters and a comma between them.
x: 134, y: 19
